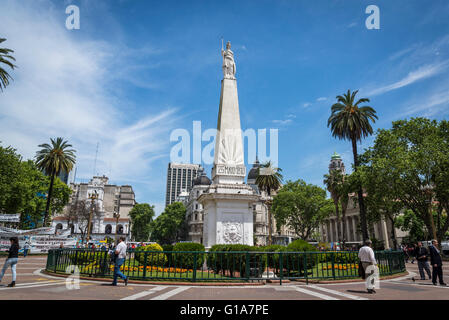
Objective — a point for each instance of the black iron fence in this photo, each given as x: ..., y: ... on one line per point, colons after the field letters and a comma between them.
x: 221, y: 266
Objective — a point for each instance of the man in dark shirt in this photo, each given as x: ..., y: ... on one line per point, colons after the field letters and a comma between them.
x: 437, y: 263
x: 13, y: 257
x: 421, y: 255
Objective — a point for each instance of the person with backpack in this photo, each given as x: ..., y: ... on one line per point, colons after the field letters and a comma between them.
x: 13, y: 257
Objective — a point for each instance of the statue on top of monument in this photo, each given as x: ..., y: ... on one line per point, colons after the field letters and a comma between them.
x: 228, y: 61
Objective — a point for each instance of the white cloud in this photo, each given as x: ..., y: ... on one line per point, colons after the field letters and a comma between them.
x: 435, y: 103
x: 67, y: 86
x: 282, y: 122
x: 321, y: 99
x: 307, y: 104
x: 421, y: 73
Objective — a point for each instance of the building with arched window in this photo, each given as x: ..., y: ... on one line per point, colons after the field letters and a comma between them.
x: 111, y: 200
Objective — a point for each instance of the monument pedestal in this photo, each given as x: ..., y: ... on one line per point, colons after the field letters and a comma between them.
x: 228, y: 214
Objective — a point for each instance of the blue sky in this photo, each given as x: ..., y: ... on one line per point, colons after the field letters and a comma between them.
x: 136, y: 70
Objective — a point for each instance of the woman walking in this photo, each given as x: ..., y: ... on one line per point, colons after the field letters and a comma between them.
x: 13, y: 257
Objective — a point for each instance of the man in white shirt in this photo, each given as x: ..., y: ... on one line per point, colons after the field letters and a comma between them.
x: 120, y: 253
x: 366, y: 257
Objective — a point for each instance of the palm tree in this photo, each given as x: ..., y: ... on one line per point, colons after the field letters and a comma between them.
x: 4, y: 56
x: 269, y: 179
x: 348, y: 121
x: 333, y: 182
x: 53, y: 159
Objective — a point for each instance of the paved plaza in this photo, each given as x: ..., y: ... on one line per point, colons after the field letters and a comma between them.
x: 32, y: 285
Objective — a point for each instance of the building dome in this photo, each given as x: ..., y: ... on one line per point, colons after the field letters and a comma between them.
x: 202, y: 180
x: 254, y: 172
x: 336, y: 156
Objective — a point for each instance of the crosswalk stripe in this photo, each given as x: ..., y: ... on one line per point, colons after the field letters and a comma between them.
x: 144, y: 293
x: 338, y: 293
x: 315, y: 294
x: 169, y: 294
x: 37, y: 285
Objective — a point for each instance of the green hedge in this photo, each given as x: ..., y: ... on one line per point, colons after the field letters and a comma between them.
x: 295, y: 262
x: 273, y: 259
x: 186, y: 260
x: 168, y: 248
x: 154, y: 255
x: 82, y: 257
x: 236, y: 262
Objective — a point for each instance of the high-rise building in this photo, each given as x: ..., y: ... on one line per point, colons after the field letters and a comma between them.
x: 179, y: 177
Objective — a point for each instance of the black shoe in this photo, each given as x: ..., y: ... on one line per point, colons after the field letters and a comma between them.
x: 373, y: 291
x: 12, y: 284
x: 113, y: 284
x: 434, y: 283
x: 126, y: 281
x: 443, y: 284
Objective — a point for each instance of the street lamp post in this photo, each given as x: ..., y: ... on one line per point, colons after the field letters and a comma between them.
x: 92, y: 197
x: 116, y: 216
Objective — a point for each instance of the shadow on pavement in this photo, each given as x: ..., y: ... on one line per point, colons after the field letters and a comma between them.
x: 358, y: 291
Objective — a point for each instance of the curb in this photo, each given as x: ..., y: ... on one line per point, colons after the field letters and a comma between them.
x: 398, y: 275
x: 199, y: 284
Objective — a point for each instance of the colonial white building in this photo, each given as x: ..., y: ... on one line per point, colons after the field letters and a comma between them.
x: 111, y: 202
x: 381, y: 230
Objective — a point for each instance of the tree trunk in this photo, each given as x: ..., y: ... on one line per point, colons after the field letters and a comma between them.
x: 362, y: 210
x: 343, y: 217
x: 337, y: 225
x: 50, y: 190
x: 393, y: 233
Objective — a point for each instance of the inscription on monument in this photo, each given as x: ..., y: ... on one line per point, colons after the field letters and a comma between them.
x: 231, y: 170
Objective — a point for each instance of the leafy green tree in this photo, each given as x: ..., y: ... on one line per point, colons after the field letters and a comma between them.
x: 381, y: 195
x: 412, y: 224
x: 269, y: 179
x: 23, y: 187
x: 170, y: 225
x: 53, y: 159
x: 5, y: 59
x: 302, y: 207
x: 348, y: 121
x: 141, y: 216
x: 10, y: 181
x: 412, y: 158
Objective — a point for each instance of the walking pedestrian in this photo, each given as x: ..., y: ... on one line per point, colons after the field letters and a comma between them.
x: 422, y: 258
x: 26, y: 248
x: 437, y: 263
x: 120, y: 252
x: 13, y: 257
x: 366, y: 257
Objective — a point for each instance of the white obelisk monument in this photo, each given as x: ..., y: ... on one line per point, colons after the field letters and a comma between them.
x: 228, y: 203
